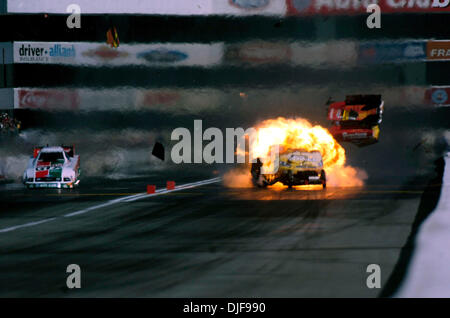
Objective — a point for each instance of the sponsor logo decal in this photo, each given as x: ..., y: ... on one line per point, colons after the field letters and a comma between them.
x: 60, y: 51
x: 48, y: 172
x: 439, y: 96
x: 250, y: 4
x: 163, y: 55
x: 40, y: 53
x: 55, y: 172
x: 105, y: 53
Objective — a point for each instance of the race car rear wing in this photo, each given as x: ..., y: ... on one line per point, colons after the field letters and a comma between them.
x: 371, y: 101
x: 36, y: 151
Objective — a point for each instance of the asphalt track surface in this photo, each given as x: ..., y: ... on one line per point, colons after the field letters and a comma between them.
x: 207, y: 241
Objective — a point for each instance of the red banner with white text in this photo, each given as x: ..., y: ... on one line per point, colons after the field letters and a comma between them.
x: 351, y: 7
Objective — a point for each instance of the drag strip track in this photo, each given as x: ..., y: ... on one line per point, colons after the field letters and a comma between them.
x: 207, y: 240
x: 210, y: 241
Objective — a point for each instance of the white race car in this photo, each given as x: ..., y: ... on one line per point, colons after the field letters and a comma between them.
x: 53, y: 167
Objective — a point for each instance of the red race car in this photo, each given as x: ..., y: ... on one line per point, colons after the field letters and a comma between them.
x: 357, y: 119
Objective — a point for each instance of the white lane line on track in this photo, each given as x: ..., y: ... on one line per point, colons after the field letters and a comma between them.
x: 16, y: 227
x: 130, y: 198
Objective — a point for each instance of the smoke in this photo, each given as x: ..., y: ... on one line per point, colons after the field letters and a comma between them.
x: 12, y: 166
x: 110, y: 154
x: 238, y: 178
x: 345, y: 176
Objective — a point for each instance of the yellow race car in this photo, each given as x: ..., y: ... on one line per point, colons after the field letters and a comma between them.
x: 295, y: 167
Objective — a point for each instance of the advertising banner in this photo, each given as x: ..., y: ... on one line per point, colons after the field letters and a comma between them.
x: 224, y: 7
x: 167, y: 100
x: 350, y: 7
x: 391, y: 52
x: 344, y: 53
x: 99, y: 54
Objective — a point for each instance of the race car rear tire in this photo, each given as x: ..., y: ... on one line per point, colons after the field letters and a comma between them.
x: 290, y: 178
x: 323, y: 178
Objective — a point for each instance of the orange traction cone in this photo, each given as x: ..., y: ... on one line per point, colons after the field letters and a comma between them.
x: 151, y: 189
x: 170, y: 185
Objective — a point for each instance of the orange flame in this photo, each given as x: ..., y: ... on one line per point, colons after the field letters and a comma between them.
x: 298, y: 133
